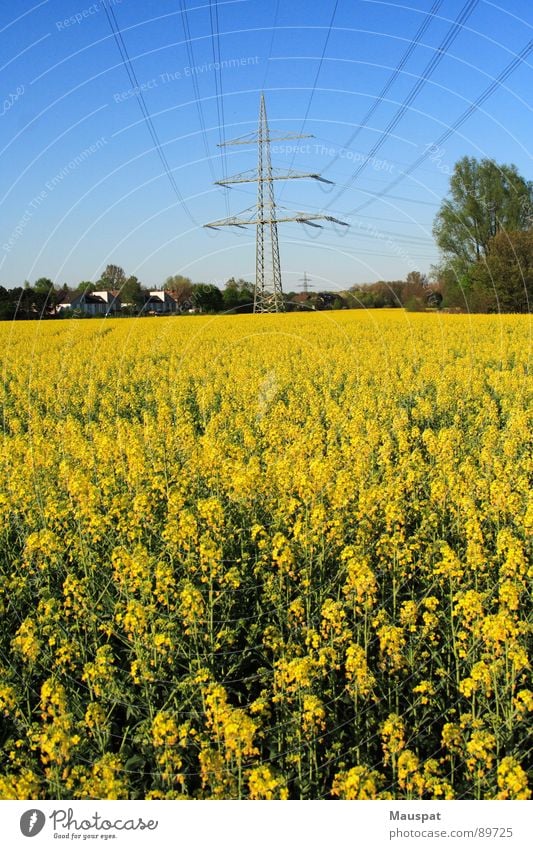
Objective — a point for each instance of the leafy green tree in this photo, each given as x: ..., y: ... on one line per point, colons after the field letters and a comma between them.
x: 86, y: 286
x: 43, y: 286
x: 43, y: 295
x: 503, y: 280
x: 238, y: 295
x: 21, y: 301
x: 207, y: 297
x: 132, y: 292
x: 484, y: 199
x: 6, y: 304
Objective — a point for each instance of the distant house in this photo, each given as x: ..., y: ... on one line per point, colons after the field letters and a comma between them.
x: 160, y: 302
x: 91, y: 303
x: 112, y: 298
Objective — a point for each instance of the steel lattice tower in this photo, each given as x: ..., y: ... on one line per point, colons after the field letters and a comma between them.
x: 306, y: 280
x: 268, y: 291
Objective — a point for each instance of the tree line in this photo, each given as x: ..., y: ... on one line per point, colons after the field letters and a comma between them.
x: 43, y: 298
x: 484, y: 229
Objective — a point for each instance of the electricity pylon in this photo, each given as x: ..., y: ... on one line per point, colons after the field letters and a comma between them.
x: 268, y: 291
x: 306, y: 280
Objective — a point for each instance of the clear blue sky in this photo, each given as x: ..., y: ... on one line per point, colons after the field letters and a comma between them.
x: 82, y: 185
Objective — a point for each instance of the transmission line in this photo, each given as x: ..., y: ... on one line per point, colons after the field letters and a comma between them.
x: 321, y: 62
x: 437, y: 57
x: 507, y: 71
x: 415, y: 41
x: 398, y: 237
x: 126, y: 61
x: 215, y: 46
x: 313, y: 88
x: 272, y: 36
x: 196, y: 88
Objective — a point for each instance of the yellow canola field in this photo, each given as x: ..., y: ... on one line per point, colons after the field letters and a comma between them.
x: 265, y: 557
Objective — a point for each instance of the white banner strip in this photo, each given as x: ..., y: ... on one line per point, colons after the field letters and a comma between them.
x: 272, y: 825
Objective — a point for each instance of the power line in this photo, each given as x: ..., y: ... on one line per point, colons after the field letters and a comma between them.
x: 437, y: 57
x: 126, y: 61
x: 507, y: 71
x: 196, y: 88
x: 321, y: 62
x: 361, y: 228
x: 215, y: 46
x: 313, y: 89
x: 393, y: 77
x: 378, y: 195
x: 272, y: 36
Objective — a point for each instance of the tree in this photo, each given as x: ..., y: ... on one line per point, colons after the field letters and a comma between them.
x: 176, y: 280
x: 238, y: 295
x: 6, y: 304
x: 415, y: 281
x: 414, y: 291
x: 113, y: 277
x: 207, y: 297
x: 22, y: 301
x: 384, y: 293
x: 43, y: 286
x: 131, y: 292
x: 43, y: 295
x: 86, y: 287
x: 485, y: 198
x: 503, y: 280
x: 181, y: 288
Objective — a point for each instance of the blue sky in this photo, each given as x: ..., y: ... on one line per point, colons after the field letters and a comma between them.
x: 82, y: 185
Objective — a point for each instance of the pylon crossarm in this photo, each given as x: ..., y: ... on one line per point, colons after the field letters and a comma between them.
x: 289, y: 137
x: 252, y: 139
x: 295, y: 175
x: 299, y: 219
x: 305, y: 218
x: 253, y: 178
x: 302, y: 218
x: 228, y: 222
x: 243, y: 177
